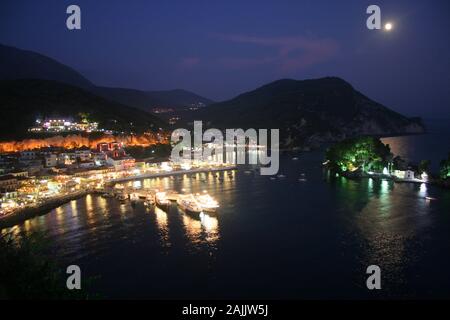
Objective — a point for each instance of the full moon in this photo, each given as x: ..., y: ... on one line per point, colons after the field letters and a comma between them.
x: 388, y: 26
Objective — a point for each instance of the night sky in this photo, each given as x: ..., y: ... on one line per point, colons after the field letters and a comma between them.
x: 222, y: 48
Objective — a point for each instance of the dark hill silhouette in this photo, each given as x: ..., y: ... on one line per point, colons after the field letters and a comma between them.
x: 22, y: 101
x: 309, y: 112
x: 23, y: 64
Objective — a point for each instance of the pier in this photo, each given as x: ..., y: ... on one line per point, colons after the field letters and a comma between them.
x: 170, y: 173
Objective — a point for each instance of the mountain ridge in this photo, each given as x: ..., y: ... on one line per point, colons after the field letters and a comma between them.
x: 309, y: 112
x: 18, y: 63
x: 26, y: 64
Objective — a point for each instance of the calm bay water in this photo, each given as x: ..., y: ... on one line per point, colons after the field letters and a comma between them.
x: 277, y: 238
x: 433, y: 146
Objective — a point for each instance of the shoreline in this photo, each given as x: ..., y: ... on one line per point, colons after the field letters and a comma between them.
x: 26, y: 213
x: 432, y: 181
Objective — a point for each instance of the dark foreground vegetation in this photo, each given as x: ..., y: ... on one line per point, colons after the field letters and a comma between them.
x: 27, y: 271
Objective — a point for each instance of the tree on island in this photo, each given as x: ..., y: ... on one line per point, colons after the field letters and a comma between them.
x: 361, y: 153
x: 424, y: 165
x: 399, y: 163
x: 445, y: 168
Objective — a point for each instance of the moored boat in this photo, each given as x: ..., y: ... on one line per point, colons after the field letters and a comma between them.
x: 122, y: 198
x: 172, y: 195
x: 207, y: 203
x: 149, y: 202
x: 134, y: 199
x: 189, y: 204
x: 162, y: 201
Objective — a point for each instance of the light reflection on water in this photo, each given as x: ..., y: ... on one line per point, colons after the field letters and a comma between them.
x: 433, y: 145
x: 391, y: 219
x: 201, y: 229
x: 286, y: 232
x: 162, y: 221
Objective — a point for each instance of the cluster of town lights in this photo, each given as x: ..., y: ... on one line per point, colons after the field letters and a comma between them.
x: 39, y: 191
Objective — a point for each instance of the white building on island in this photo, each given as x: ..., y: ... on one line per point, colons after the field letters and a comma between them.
x: 404, y: 174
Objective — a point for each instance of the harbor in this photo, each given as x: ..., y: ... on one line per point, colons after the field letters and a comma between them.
x: 268, y: 222
x: 109, y: 185
x: 194, y: 203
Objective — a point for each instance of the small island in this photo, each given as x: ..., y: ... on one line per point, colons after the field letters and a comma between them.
x: 368, y: 157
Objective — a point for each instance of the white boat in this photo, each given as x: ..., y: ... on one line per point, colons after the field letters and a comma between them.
x: 122, y: 198
x: 294, y: 158
x: 281, y: 176
x: 149, y: 202
x: 302, y: 179
x: 162, y: 201
x: 134, y: 197
x: 189, y: 204
x: 207, y: 203
x: 172, y: 195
